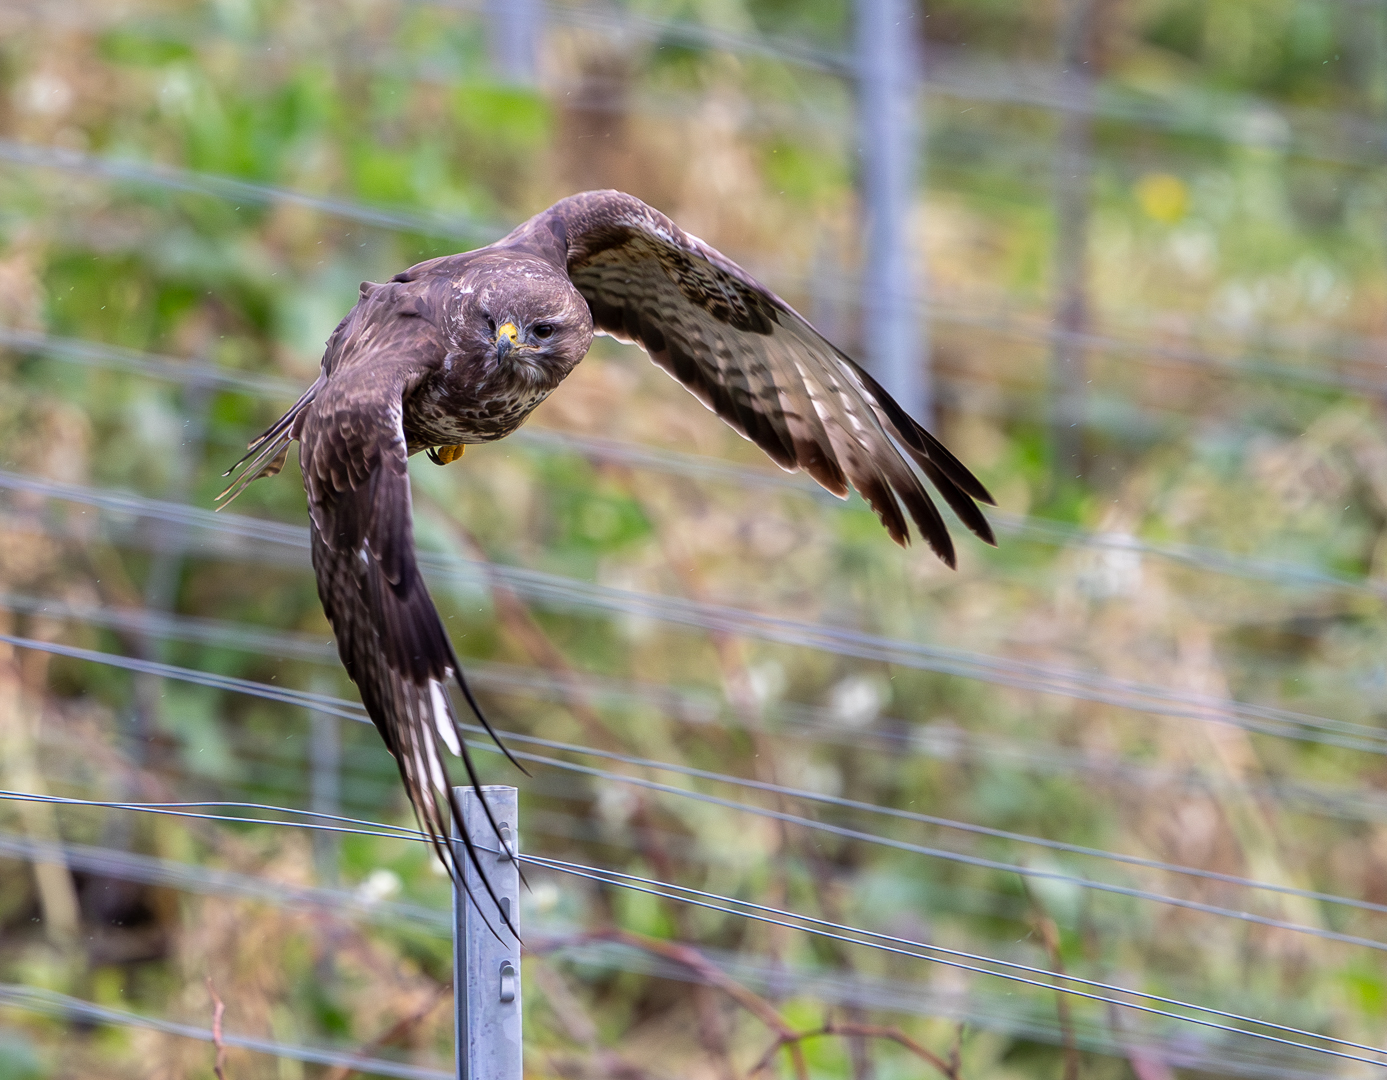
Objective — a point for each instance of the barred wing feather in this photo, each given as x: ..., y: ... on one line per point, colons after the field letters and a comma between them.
x: 750, y: 358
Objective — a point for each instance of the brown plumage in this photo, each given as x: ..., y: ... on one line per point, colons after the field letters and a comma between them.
x: 460, y: 349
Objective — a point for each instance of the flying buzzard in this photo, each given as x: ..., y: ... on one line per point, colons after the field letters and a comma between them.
x: 461, y: 349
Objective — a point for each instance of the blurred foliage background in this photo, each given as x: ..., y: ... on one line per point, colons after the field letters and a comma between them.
x: 202, y: 186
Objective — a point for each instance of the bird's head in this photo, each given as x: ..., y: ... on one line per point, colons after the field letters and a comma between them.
x: 521, y: 322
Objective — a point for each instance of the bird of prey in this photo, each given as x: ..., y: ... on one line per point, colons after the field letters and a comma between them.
x: 461, y: 349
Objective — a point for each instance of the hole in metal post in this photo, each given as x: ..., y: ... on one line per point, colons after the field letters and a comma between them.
x: 507, y: 981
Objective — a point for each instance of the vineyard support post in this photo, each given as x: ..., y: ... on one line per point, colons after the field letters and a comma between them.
x: 486, y: 954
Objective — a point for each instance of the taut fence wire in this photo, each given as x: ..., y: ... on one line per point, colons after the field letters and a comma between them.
x: 1075, y: 986
x: 213, y: 185
x: 65, y: 1007
x: 342, y: 708
x: 569, y: 592
x: 1321, y: 135
x: 700, y: 467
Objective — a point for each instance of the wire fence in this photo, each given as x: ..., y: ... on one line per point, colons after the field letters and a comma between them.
x: 1340, y: 346
x: 348, y: 710
x: 852, y: 991
x: 345, y: 709
x: 74, y: 1010
x: 696, y: 708
x: 495, y: 677
x: 554, y: 589
x: 1041, y: 978
x: 681, y: 463
x: 1326, y: 136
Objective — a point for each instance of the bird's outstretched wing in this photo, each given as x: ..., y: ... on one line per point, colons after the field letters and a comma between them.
x: 389, y: 634
x: 757, y: 363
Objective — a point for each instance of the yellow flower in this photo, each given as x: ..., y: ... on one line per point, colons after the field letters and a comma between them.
x: 1163, y: 197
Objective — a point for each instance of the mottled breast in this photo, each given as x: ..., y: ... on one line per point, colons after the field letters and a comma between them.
x: 435, y: 417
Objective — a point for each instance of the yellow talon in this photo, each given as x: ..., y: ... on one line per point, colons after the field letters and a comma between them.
x: 447, y: 454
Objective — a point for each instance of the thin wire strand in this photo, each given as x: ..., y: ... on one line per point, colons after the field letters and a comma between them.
x: 338, y: 707
x: 52, y: 1003
x: 579, y: 827
x: 190, y: 877
x: 953, y: 856
x: 824, y: 985
x: 492, y: 676
x: 228, y: 188
x: 60, y: 800
x: 716, y: 902
x: 866, y: 938
x: 701, y: 467
x: 351, y: 711
x: 930, y: 819
x: 805, y: 722
x: 554, y: 589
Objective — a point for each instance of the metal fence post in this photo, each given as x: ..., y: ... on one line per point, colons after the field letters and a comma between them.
x: 486, y: 964
x: 513, y: 30
x: 1068, y: 359
x: 893, y: 333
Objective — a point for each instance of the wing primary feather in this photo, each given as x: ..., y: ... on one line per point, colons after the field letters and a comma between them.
x: 950, y: 465
x: 476, y: 708
x: 918, y: 440
x: 412, y: 757
x: 962, y: 505
x: 877, y: 491
x: 926, y: 515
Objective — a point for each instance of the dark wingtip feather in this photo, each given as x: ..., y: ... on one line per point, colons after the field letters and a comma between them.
x: 926, y: 515
x: 877, y: 492
x: 919, y: 441
x: 472, y: 849
x: 476, y: 708
x: 959, y: 501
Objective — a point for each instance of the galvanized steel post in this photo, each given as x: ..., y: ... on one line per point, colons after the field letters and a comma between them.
x: 894, y: 334
x: 515, y: 30
x: 486, y: 955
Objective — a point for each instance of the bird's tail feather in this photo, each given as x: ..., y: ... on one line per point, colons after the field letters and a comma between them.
x: 267, y: 452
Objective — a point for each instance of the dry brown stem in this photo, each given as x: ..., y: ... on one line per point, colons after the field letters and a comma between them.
x: 514, y: 615
x: 396, y: 1031
x: 218, y: 1011
x: 860, y: 1031
x: 1050, y: 935
x: 708, y: 972
x: 786, y: 1037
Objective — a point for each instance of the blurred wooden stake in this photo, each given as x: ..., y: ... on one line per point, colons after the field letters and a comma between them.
x: 1050, y: 934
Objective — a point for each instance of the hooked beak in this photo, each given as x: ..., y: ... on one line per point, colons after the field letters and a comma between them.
x: 506, y: 338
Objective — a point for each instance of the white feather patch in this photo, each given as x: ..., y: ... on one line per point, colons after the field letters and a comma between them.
x: 440, y: 779
x: 442, y: 718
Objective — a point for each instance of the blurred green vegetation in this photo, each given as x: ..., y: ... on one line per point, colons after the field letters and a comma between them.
x: 1235, y: 291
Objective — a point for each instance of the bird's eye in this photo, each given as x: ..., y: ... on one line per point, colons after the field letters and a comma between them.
x: 544, y: 330
x: 491, y: 326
